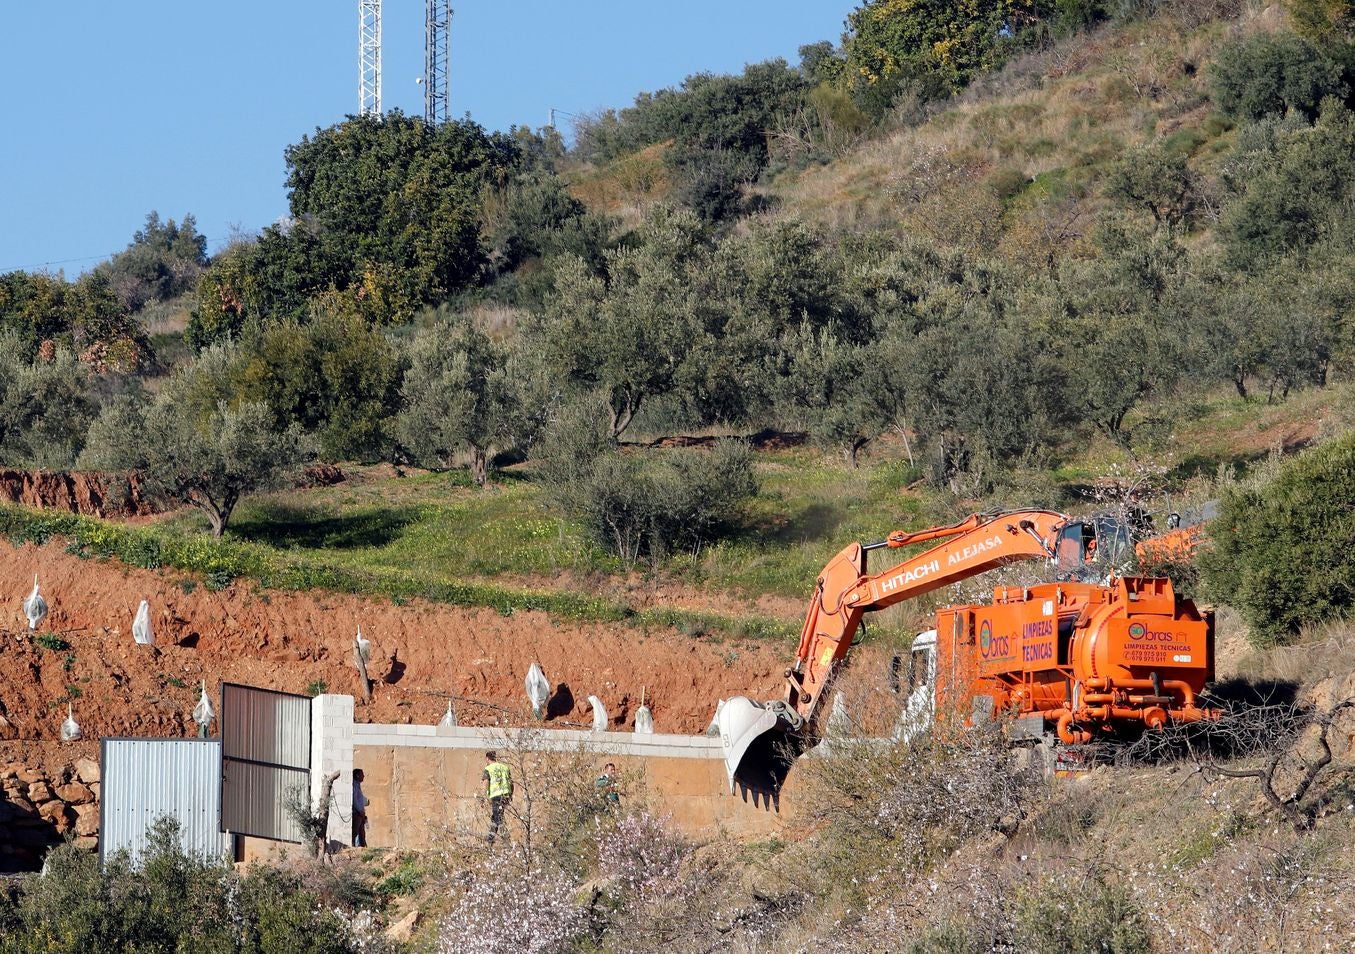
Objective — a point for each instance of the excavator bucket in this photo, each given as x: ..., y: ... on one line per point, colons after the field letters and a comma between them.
x: 758, y: 745
x: 742, y: 722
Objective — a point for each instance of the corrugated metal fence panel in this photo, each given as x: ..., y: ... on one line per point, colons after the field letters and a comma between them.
x: 266, y: 757
x: 256, y: 799
x: 265, y: 726
x: 144, y: 779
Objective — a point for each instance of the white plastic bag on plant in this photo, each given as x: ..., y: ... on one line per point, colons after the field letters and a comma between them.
x: 538, y: 689
x: 449, y: 718
x: 839, y: 722
x: 203, y: 713
x: 599, y: 714
x: 713, y: 730
x: 70, y: 729
x: 141, y: 625
x: 35, y: 607
x: 644, y: 721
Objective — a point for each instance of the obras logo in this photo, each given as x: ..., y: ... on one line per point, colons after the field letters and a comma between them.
x: 1137, y: 630
x: 993, y: 647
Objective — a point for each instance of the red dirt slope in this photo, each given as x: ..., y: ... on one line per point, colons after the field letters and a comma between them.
x: 421, y: 652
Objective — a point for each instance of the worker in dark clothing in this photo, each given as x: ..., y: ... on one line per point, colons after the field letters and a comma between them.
x: 499, y: 791
x: 359, y: 811
x: 606, y: 786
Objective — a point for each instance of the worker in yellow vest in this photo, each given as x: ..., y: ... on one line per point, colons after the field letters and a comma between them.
x: 499, y: 791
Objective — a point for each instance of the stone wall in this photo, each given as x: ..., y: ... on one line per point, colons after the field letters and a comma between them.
x: 40, y: 808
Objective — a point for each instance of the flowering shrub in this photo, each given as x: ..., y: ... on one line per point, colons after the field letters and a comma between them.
x: 510, y: 906
x: 642, y: 856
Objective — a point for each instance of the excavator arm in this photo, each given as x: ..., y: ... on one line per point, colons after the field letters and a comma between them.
x: 845, y: 592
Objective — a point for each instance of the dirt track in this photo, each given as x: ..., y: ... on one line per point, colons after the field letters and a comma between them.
x: 421, y: 652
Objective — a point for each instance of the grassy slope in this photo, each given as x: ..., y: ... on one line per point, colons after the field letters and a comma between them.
x: 1060, y: 119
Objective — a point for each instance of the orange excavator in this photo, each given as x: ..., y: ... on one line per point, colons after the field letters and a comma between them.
x: 1081, y: 657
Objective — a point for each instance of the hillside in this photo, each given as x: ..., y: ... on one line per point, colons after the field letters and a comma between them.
x: 611, y: 408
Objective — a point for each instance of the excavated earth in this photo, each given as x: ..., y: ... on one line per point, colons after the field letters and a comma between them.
x: 422, y: 654
x: 94, y: 495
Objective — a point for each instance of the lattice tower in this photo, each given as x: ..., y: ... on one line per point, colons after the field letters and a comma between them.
x: 369, y: 57
x: 437, y: 61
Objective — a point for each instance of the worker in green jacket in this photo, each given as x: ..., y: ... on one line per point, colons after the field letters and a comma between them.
x: 499, y: 791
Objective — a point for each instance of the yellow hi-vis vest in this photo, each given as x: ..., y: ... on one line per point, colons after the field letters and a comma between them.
x: 500, y: 780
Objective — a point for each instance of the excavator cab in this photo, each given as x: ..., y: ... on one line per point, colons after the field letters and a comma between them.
x: 1093, y: 549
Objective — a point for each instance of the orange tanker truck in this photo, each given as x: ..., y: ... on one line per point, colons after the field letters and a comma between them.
x: 1078, y: 658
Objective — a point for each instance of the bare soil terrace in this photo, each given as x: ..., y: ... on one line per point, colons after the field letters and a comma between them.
x: 422, y: 654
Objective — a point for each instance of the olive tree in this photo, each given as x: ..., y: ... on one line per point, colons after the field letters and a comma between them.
x: 202, y: 452
x: 627, y: 335
x: 44, y: 407
x: 457, y: 396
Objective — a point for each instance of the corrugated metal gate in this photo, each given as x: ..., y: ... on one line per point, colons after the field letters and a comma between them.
x: 144, y: 779
x: 265, y: 760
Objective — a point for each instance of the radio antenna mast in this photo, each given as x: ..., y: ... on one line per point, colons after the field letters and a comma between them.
x: 437, y: 61
x: 369, y: 58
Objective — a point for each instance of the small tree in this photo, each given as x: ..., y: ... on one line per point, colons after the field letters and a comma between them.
x: 628, y: 335
x: 457, y: 396
x: 644, y: 508
x: 1155, y: 179
x: 204, y: 454
x: 44, y: 407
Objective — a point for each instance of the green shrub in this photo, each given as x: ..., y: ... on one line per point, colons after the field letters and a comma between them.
x: 1271, y: 73
x: 638, y: 508
x: 164, y: 901
x: 1281, y: 551
x: 1070, y: 914
x: 51, y: 641
x: 1291, y: 188
x: 405, y: 880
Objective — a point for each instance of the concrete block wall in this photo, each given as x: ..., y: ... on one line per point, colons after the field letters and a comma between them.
x: 424, y: 782
x: 331, y: 751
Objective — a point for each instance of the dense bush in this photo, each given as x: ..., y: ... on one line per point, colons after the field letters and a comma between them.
x: 638, y: 507
x: 930, y: 48
x: 45, y: 407
x: 716, y: 127
x: 164, y: 259
x: 167, y: 901
x: 84, y: 316
x: 1281, y: 548
x: 1292, y: 188
x: 1271, y: 73
x: 388, y: 207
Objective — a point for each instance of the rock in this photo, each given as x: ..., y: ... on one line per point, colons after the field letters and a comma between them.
x: 94, y: 787
x: 28, y: 776
x: 86, y: 842
x: 21, y: 804
x: 86, y: 820
x: 87, y: 770
x: 403, y: 930
x: 75, y: 794
x: 39, y: 791
x: 56, y: 812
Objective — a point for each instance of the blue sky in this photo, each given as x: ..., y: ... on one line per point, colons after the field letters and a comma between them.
x: 181, y: 106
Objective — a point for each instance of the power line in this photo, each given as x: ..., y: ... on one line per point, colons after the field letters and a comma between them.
x: 218, y: 242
